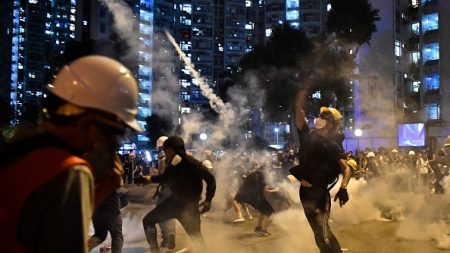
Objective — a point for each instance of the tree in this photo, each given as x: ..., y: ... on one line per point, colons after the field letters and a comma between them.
x: 352, y: 21
x: 276, y: 65
x: 158, y: 126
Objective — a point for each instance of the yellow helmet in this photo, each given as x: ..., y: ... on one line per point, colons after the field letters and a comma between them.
x: 334, y: 112
x: 352, y: 163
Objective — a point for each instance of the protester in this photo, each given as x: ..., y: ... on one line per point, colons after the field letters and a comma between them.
x: 162, y: 193
x: 184, y: 174
x: 49, y: 173
x: 107, y: 218
x: 320, y: 162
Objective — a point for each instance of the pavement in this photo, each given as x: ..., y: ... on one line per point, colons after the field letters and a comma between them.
x: 290, y: 233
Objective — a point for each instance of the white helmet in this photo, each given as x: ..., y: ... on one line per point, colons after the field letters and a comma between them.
x: 160, y: 141
x: 411, y: 152
x: 370, y: 154
x: 101, y: 83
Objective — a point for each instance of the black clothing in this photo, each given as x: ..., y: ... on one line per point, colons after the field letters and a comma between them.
x: 319, y: 165
x: 107, y: 218
x: 316, y: 203
x: 318, y: 159
x: 185, y: 179
x: 186, y: 185
x: 251, y: 192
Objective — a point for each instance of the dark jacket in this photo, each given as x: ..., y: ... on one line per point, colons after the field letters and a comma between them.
x: 185, y: 179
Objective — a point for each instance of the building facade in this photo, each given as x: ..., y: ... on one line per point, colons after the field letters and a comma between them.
x: 313, y: 15
x: 422, y: 71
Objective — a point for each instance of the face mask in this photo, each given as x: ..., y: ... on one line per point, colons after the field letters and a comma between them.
x: 101, y: 159
x: 176, y: 160
x: 319, y: 123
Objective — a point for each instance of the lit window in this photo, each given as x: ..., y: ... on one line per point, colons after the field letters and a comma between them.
x: 328, y: 7
x: 430, y: 22
x: 415, y: 3
x: 432, y: 82
x: 432, y: 111
x: 248, y: 3
x: 292, y: 15
x: 317, y: 95
x: 415, y: 28
x: 398, y: 48
x: 431, y: 52
x: 415, y: 86
x: 268, y: 32
x: 415, y: 57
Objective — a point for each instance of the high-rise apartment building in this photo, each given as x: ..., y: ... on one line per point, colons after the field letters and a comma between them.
x: 422, y: 71
x: 6, y: 31
x: 313, y: 14
x: 38, y: 30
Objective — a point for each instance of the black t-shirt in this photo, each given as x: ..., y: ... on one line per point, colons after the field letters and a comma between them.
x: 185, y: 179
x: 318, y: 158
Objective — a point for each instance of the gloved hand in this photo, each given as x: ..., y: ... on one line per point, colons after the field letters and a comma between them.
x: 342, y: 195
x: 205, y: 206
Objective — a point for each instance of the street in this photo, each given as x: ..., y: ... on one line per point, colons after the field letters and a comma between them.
x: 290, y: 233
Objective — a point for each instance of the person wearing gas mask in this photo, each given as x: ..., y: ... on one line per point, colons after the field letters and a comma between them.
x: 184, y: 174
x: 321, y: 161
x: 162, y: 193
x: 55, y: 174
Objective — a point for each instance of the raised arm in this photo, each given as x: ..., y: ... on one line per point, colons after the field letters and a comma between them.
x: 300, y: 103
x: 299, y: 106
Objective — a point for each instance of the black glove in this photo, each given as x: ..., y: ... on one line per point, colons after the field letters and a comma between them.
x: 342, y: 195
x: 205, y: 206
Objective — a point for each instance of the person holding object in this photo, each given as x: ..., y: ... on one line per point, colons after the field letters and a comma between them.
x: 184, y: 175
x: 321, y: 161
x: 54, y: 175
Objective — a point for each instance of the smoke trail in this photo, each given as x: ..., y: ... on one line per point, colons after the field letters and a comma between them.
x: 214, y: 101
x: 123, y: 23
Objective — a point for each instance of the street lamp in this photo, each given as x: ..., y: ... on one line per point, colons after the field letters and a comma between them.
x: 358, y: 133
x: 276, y: 130
x: 203, y: 136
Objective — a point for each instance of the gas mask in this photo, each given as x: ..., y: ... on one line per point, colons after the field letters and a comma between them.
x: 319, y: 123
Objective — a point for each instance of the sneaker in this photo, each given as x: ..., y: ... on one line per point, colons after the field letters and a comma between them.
x: 257, y: 229
x: 263, y: 232
x: 239, y: 220
x: 171, y: 241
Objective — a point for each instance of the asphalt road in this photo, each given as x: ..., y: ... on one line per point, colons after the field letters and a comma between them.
x: 289, y: 233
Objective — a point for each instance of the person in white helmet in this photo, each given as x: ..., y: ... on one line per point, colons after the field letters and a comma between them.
x: 54, y: 176
x: 163, y: 192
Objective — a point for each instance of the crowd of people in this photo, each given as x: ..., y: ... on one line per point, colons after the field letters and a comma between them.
x: 61, y: 175
x: 425, y: 168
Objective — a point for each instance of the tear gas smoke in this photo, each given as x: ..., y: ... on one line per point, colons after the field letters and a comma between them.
x: 122, y: 16
x: 214, y: 101
x: 421, y: 217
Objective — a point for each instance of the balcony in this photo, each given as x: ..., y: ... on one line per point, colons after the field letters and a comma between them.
x: 432, y: 96
x: 431, y: 36
x: 431, y: 66
x: 414, y: 71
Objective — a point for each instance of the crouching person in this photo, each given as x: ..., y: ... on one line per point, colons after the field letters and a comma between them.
x: 184, y: 175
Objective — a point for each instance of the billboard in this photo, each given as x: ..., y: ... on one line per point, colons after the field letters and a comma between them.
x: 411, y: 135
